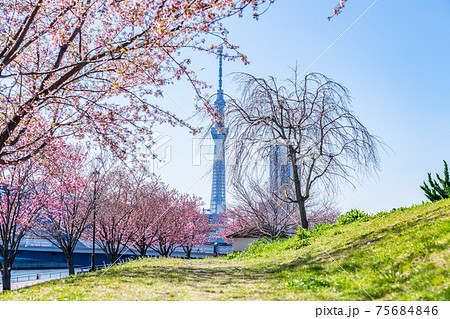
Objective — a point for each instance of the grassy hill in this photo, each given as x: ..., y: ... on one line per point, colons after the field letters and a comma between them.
x: 401, y: 255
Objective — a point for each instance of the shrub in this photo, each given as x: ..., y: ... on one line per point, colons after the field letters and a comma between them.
x: 392, y: 211
x: 302, y: 238
x: 297, y: 244
x: 303, y: 234
x: 352, y: 216
x: 436, y: 192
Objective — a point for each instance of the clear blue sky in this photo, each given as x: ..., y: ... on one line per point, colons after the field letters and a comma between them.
x: 395, y: 61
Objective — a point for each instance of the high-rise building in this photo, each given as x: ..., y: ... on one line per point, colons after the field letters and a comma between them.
x: 219, y: 135
x: 279, y: 169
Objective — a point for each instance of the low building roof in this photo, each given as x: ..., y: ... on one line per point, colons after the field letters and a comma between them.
x: 255, y: 232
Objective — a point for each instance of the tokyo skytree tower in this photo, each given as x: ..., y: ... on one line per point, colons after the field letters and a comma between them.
x: 219, y: 135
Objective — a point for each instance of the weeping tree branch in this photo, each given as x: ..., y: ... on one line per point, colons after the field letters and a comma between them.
x: 310, y: 120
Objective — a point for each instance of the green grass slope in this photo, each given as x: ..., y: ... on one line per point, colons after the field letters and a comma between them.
x: 402, y: 255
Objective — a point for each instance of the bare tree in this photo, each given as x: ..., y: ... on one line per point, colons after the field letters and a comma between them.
x: 311, y: 120
x: 270, y: 215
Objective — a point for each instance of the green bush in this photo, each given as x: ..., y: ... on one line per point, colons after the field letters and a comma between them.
x: 438, y: 189
x: 352, y: 216
x: 384, y: 214
x: 301, y: 239
x: 303, y: 234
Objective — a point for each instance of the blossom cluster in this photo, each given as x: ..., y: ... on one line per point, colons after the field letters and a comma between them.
x: 338, y: 9
x: 93, y: 68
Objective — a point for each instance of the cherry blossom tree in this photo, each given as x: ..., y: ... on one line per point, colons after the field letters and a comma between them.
x: 196, y: 226
x: 168, y: 224
x: 231, y: 222
x: 20, y: 205
x: 114, y: 212
x: 163, y: 219
x: 69, y: 205
x: 88, y: 67
x: 144, y: 216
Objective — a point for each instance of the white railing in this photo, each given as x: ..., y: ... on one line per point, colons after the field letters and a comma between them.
x: 43, y: 274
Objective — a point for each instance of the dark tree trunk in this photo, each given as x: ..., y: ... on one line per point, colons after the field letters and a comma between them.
x: 188, y: 251
x: 170, y: 251
x: 6, y: 276
x: 113, y: 257
x: 70, y: 264
x: 298, y: 192
x: 111, y: 253
x: 301, y: 206
x: 163, y: 251
x: 143, y: 250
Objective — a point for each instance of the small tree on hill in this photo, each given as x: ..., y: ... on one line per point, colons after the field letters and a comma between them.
x: 435, y: 191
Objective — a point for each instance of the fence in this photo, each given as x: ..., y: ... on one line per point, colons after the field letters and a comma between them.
x: 43, y: 274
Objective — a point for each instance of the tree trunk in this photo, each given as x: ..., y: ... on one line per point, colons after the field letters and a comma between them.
x: 298, y: 192
x: 113, y: 258
x: 170, y: 251
x: 301, y: 206
x: 188, y: 251
x: 163, y: 251
x: 70, y: 264
x: 6, y: 277
x: 143, y: 250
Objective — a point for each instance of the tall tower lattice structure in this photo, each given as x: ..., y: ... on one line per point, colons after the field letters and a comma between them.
x: 219, y: 134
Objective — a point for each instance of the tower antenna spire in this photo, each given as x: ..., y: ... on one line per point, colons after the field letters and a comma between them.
x: 220, y: 68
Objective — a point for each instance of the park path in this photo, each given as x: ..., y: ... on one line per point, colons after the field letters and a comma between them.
x: 23, y: 284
